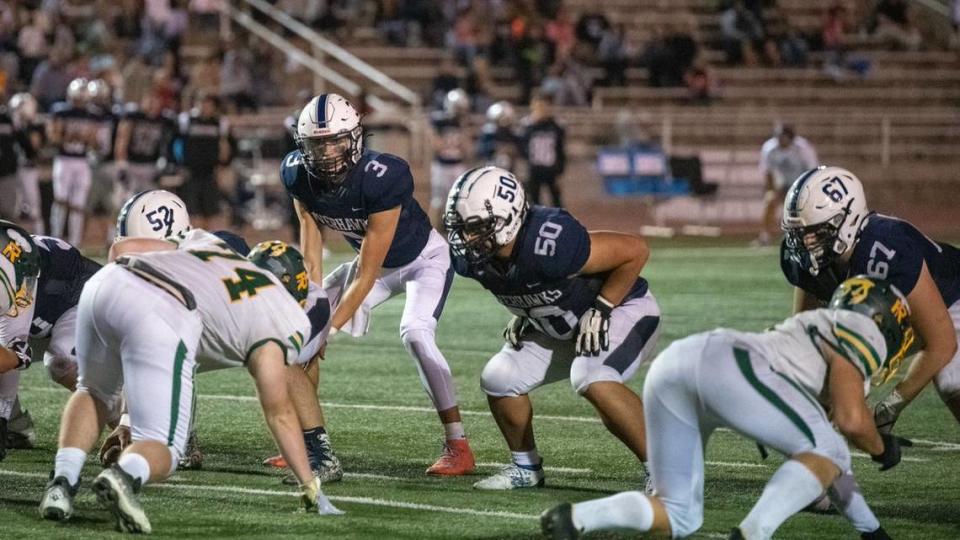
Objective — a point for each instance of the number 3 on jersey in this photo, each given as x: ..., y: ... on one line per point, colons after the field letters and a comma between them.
x: 247, y: 284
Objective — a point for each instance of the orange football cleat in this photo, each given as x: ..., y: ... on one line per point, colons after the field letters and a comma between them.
x: 456, y: 459
x: 276, y: 462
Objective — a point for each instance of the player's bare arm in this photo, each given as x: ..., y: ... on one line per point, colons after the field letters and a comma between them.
x: 267, y: 367
x: 804, y: 301
x: 311, y: 243
x: 848, y: 404
x: 622, y: 255
x: 381, y: 228
x: 123, y: 140
x: 932, y: 322
x: 8, y: 360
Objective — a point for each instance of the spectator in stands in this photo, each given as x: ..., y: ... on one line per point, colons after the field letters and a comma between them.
x: 783, y: 45
x: 741, y: 32
x: 533, y: 54
x: 479, y: 85
x: 32, y: 43
x: 892, y: 23
x: 836, y: 24
x: 700, y: 82
x: 204, y: 78
x: 615, y: 54
x: 543, y: 144
x: 561, y: 33
x: 591, y: 28
x: 464, y: 36
x: 137, y: 79
x: 955, y: 20
x: 236, y: 78
x: 50, y: 79
x: 568, y: 83
x: 127, y: 20
x: 783, y: 158
x: 670, y: 56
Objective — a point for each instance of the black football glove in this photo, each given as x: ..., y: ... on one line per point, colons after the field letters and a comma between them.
x: 594, y: 328
x: 514, y: 331
x: 886, y: 413
x: 890, y: 456
x: 23, y: 351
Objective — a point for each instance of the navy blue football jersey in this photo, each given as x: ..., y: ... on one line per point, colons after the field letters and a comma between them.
x: 541, y: 280
x: 451, y: 135
x: 888, y: 248
x: 63, y: 273
x: 378, y: 182
x: 77, y: 126
x: 234, y: 241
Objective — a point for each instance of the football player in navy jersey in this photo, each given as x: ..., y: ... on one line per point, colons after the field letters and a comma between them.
x: 72, y: 131
x: 580, y: 311
x: 368, y: 197
x: 831, y: 235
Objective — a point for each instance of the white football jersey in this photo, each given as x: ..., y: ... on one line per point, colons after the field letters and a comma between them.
x: 792, y: 347
x: 242, y: 305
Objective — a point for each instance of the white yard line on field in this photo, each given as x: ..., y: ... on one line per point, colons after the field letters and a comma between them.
x: 937, y: 446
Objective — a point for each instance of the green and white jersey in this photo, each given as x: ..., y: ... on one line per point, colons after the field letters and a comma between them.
x: 242, y: 305
x: 792, y: 347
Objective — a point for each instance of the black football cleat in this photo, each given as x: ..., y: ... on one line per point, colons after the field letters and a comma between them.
x: 736, y: 534
x: 557, y: 523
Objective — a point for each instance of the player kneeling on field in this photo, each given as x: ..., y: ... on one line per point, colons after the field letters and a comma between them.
x: 580, y: 311
x: 199, y: 294
x: 765, y: 387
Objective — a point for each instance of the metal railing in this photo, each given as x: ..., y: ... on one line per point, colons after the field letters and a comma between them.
x: 328, y: 48
x: 293, y: 52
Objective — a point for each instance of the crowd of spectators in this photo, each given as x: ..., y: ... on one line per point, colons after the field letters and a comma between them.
x: 134, y: 45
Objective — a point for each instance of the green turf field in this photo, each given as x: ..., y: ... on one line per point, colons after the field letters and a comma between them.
x: 386, y: 434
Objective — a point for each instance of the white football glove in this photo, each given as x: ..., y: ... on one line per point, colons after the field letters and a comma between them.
x: 514, y: 331
x: 594, y: 328
x: 886, y: 413
x: 313, y: 499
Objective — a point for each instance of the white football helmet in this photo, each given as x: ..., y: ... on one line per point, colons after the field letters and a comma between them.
x: 156, y: 213
x: 823, y: 214
x: 77, y: 93
x: 501, y: 113
x: 485, y: 210
x: 456, y: 102
x: 23, y: 108
x: 330, y: 138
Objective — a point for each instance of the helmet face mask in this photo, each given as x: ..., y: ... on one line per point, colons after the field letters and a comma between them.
x: 329, y: 136
x: 823, y: 213
x: 485, y: 210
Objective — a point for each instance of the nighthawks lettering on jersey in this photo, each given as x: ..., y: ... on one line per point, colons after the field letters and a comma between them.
x: 378, y: 182
x: 891, y: 249
x: 63, y: 272
x: 541, y: 281
x: 77, y: 124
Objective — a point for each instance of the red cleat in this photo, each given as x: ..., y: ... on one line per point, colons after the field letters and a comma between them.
x: 456, y: 459
x: 276, y: 462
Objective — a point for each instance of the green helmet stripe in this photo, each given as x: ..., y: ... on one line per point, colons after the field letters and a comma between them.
x: 867, y: 354
x: 8, y: 288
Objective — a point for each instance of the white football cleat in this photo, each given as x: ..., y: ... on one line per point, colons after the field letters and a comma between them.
x: 512, y: 477
x: 117, y: 492
x: 57, y: 502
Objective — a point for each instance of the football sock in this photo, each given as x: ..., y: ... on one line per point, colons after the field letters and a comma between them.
x: 845, y: 495
x: 627, y: 510
x: 68, y: 464
x: 527, y: 460
x: 136, y: 466
x: 789, y: 490
x: 454, y: 431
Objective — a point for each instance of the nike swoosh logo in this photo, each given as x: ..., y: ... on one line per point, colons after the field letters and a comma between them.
x: 534, y: 285
x: 356, y: 209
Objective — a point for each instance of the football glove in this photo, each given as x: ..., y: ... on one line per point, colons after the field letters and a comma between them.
x: 886, y: 413
x: 114, y: 445
x: 594, y: 328
x: 514, y: 331
x: 23, y: 352
x: 890, y: 456
x: 313, y: 499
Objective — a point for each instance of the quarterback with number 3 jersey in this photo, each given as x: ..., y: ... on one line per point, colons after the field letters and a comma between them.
x: 368, y: 197
x: 580, y: 311
x: 831, y: 235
